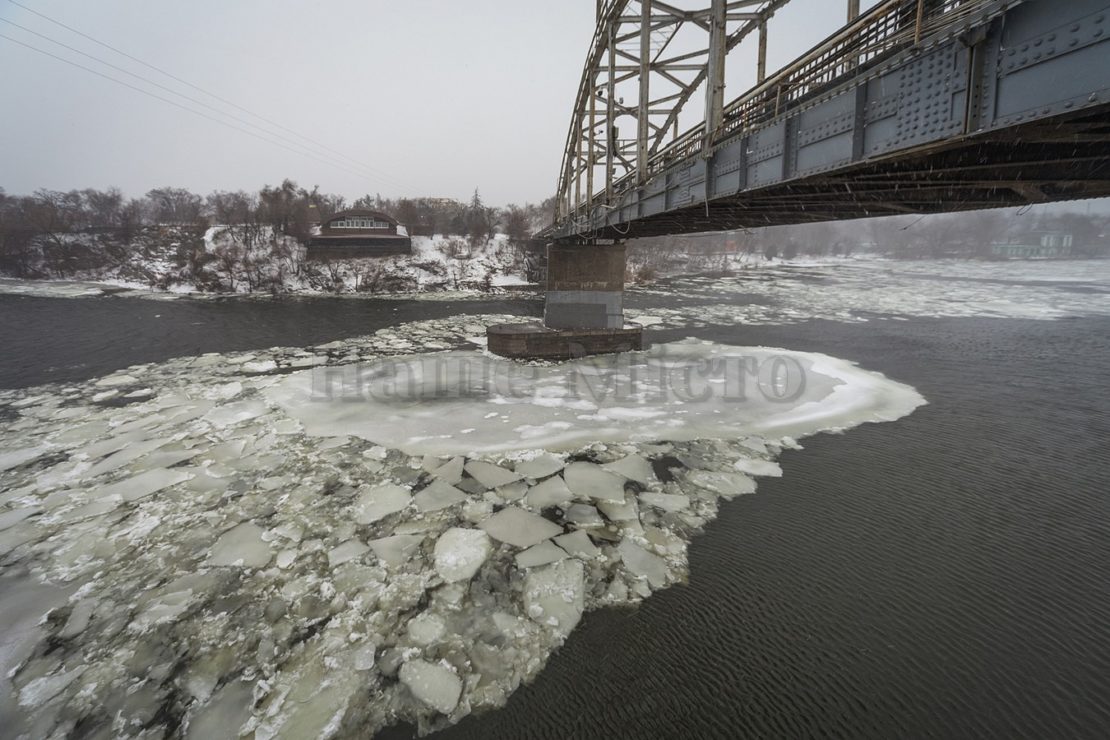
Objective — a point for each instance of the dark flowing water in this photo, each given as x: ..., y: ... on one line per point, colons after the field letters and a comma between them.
x: 942, y: 576
x: 50, y: 340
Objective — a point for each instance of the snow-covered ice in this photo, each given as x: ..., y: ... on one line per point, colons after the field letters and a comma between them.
x: 459, y: 553
x: 435, y: 685
x: 678, y: 391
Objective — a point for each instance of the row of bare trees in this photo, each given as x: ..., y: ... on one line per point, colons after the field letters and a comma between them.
x: 474, y: 220
x: 39, y: 227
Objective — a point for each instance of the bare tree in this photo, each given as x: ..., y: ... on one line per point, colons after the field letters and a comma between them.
x: 516, y: 224
x: 175, y: 205
x: 229, y: 257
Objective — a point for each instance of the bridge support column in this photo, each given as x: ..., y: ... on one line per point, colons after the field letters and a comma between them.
x: 585, y: 287
x: 583, y: 309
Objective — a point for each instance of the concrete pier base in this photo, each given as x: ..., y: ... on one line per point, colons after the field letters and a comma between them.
x: 534, y: 341
x: 583, y: 311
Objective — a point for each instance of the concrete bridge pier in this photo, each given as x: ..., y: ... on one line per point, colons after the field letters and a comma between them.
x: 585, y: 287
x: 583, y: 308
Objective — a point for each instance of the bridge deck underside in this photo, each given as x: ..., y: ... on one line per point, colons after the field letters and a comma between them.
x: 1007, y: 107
x: 1065, y: 159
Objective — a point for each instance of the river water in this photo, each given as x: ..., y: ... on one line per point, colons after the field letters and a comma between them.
x: 940, y: 576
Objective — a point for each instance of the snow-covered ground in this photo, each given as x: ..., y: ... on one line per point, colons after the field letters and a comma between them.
x: 259, y: 260
x: 291, y: 543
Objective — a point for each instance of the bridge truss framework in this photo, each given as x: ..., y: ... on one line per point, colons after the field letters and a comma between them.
x: 914, y: 106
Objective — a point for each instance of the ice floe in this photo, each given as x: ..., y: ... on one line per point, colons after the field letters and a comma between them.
x: 244, y: 556
x: 677, y: 391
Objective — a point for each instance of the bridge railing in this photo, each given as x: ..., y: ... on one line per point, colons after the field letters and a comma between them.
x: 881, y: 32
x: 888, y: 28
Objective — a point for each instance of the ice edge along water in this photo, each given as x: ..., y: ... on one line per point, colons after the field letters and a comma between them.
x: 299, y: 568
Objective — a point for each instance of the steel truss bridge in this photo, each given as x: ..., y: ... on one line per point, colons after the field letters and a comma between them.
x: 914, y: 106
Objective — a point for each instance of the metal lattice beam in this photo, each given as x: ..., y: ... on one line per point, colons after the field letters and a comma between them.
x: 634, y: 56
x: 650, y: 59
x: 914, y: 106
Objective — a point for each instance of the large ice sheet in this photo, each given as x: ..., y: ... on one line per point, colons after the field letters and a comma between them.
x: 678, y: 391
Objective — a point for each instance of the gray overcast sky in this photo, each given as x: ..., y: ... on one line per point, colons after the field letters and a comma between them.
x: 439, y: 97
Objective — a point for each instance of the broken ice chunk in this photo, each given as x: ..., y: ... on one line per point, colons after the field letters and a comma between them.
x: 642, y: 563
x: 379, y: 502
x: 476, y: 511
x: 459, y: 553
x: 143, y: 484
x: 15, y: 516
x: 540, y: 467
x: 665, y: 501
x: 224, y: 714
x: 434, y: 684
x: 450, y: 472
x: 625, y: 511
x: 584, y: 515
x: 634, y: 468
x: 100, y: 506
x: 166, y: 609
x: 286, y: 558
x: 723, y: 484
x: 333, y: 443
x: 131, y: 452
x: 258, y: 367
x: 541, y: 554
x: 519, y: 527
x: 593, y: 481
x: 364, y: 658
x: 241, y: 546
x: 552, y: 492
x: 348, y: 551
x: 292, y: 532
x: 79, y: 618
x: 578, y: 544
x: 397, y: 550
x: 168, y: 458
x: 438, y: 495
x: 664, y: 541
x: 512, y: 492
x: 118, y: 379
x: 15, y: 458
x: 756, y: 467
x: 42, y: 689
x: 490, y: 475
x: 426, y: 628
x: 554, y: 595
x: 235, y: 413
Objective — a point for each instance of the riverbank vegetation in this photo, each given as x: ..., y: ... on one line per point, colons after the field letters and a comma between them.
x: 239, y: 241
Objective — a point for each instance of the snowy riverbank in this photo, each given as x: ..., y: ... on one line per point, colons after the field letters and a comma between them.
x: 224, y: 260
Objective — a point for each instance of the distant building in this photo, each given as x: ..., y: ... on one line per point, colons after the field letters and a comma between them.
x: 358, y: 233
x: 1037, y: 245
